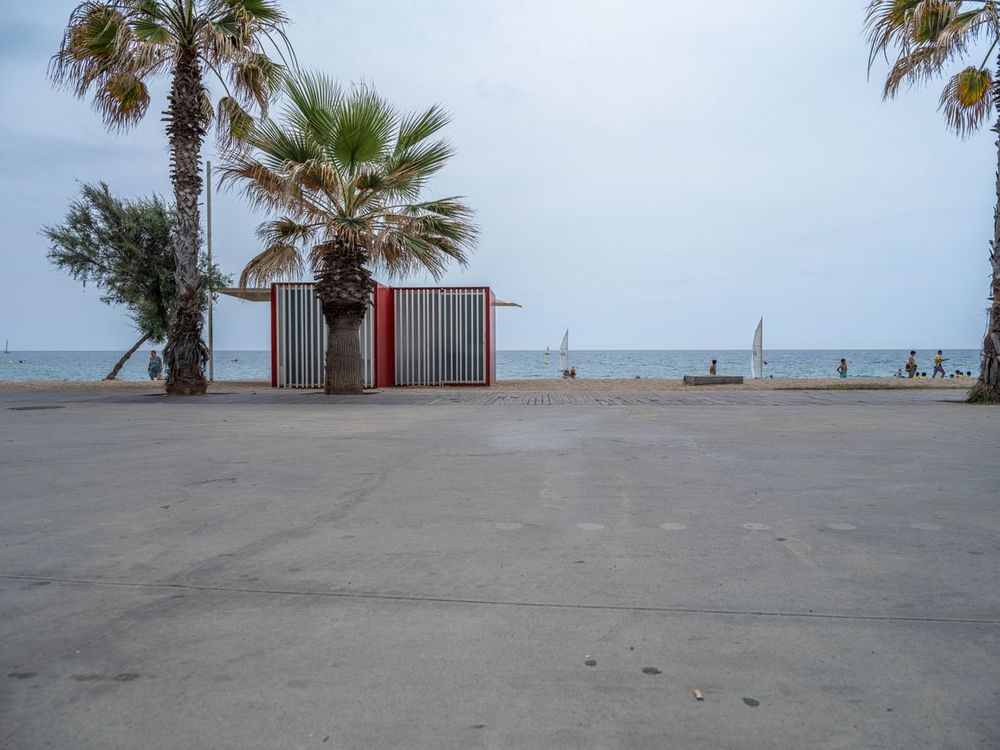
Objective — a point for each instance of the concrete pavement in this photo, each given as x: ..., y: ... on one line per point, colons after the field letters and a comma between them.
x: 231, y: 573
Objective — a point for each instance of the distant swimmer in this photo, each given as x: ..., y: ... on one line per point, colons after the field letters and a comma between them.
x: 713, y: 370
x: 939, y: 361
x: 842, y: 368
x: 911, y: 365
x: 155, y: 366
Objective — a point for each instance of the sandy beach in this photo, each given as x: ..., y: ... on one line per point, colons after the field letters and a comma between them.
x: 579, y: 385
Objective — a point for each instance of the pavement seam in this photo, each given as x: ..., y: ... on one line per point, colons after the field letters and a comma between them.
x: 501, y: 603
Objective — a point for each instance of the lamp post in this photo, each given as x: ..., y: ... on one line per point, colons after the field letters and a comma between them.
x: 208, y: 239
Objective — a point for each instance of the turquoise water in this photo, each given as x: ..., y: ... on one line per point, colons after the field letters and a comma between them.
x: 523, y: 365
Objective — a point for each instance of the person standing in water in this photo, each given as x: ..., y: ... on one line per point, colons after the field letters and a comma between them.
x: 713, y: 369
x: 842, y: 368
x: 155, y: 366
x: 939, y: 360
x: 911, y: 365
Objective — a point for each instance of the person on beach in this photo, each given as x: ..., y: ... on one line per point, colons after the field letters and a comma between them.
x: 939, y: 361
x: 842, y: 368
x: 911, y: 365
x: 155, y: 366
x: 713, y: 370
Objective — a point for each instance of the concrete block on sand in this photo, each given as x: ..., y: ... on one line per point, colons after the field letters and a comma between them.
x: 713, y: 380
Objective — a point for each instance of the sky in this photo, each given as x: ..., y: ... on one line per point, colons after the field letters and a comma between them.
x: 648, y: 174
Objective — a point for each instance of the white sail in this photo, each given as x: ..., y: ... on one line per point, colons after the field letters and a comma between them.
x: 564, y: 352
x: 757, y: 355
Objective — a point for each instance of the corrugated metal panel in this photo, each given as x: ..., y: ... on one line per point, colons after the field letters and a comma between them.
x: 301, y: 338
x: 440, y: 336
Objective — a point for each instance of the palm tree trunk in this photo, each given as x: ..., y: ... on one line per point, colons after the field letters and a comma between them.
x: 185, y: 353
x: 343, y: 287
x: 987, y: 390
x: 125, y: 357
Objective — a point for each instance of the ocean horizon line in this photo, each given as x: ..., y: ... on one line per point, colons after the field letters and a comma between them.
x: 604, y: 349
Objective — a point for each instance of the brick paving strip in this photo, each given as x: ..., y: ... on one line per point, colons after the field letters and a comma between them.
x: 20, y: 398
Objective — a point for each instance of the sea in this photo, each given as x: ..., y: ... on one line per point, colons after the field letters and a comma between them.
x: 525, y: 365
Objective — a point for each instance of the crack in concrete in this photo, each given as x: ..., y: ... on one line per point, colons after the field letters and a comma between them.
x: 502, y: 603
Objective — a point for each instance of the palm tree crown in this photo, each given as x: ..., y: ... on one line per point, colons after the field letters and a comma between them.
x: 112, y: 49
x: 347, y: 171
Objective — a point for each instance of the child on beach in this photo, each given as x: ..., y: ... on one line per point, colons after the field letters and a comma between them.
x: 155, y: 366
x: 842, y: 368
x: 713, y: 369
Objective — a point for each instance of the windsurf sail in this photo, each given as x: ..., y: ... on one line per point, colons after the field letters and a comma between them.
x: 564, y: 352
x: 757, y: 354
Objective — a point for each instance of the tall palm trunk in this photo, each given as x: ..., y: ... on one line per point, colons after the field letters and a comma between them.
x: 987, y: 390
x: 125, y: 357
x: 343, y: 287
x: 185, y: 353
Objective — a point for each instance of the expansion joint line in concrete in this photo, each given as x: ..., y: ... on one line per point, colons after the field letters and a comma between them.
x: 501, y: 603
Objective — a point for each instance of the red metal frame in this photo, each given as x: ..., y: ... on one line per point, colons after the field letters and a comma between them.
x: 385, y: 337
x: 274, y: 337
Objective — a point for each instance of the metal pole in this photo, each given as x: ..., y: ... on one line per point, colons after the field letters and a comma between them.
x: 208, y: 215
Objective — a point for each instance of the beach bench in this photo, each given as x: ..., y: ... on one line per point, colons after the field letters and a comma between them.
x: 713, y: 380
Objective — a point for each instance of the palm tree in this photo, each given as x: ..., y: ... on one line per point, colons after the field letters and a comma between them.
x: 347, y: 171
x: 927, y: 37
x: 111, y: 49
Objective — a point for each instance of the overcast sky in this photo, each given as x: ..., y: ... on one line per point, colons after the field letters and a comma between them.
x: 650, y: 174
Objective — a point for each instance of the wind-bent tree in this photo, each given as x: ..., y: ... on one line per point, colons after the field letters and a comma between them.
x: 929, y: 38
x: 347, y: 171
x: 112, y: 48
x: 125, y: 249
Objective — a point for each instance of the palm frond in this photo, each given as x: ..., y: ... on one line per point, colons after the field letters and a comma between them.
x: 260, y: 11
x: 969, y: 27
x: 261, y: 186
x: 149, y: 29
x: 234, y: 124
x: 286, y: 229
x: 887, y: 22
x: 419, y: 127
x: 362, y: 129
x: 424, y: 236
x: 279, y: 260
x: 317, y: 175
x: 280, y: 146
x: 122, y: 100
x: 256, y: 78
x: 921, y: 64
x: 91, y: 47
x: 930, y: 18
x: 967, y: 100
